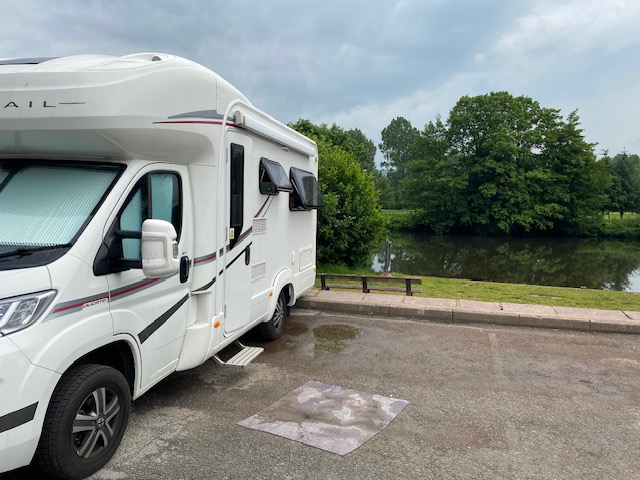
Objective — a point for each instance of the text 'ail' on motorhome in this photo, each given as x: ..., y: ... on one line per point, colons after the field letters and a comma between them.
x: 150, y: 217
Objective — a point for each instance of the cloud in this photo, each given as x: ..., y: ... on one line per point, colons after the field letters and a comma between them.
x: 419, y: 108
x: 362, y: 63
x: 573, y: 27
x: 574, y: 55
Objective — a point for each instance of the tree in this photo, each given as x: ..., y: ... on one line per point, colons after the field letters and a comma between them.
x: 504, y: 165
x: 435, y: 182
x: 362, y: 148
x: 624, y: 192
x: 386, y: 192
x: 495, y: 138
x: 398, y: 139
x: 353, y: 141
x: 351, y: 225
x: 579, y: 181
x: 397, y: 147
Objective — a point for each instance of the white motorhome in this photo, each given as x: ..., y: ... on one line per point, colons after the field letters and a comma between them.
x: 149, y: 217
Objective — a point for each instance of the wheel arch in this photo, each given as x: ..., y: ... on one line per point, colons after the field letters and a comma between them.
x: 283, y: 281
x: 118, y: 355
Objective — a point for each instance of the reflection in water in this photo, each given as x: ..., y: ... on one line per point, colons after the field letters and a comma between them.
x: 607, y: 264
x: 333, y: 339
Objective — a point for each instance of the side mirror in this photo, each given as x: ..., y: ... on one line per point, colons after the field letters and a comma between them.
x: 159, y: 249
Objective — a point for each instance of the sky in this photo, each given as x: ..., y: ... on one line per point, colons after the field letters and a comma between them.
x: 360, y: 64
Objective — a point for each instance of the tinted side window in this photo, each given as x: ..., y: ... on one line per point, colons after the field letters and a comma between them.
x: 237, y: 192
x: 306, y: 193
x: 272, y: 178
x: 157, y: 195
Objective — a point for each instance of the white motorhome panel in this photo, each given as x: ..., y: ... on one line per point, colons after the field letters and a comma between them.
x: 295, y: 230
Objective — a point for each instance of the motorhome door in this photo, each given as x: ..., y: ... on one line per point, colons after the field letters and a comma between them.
x: 237, y: 274
x: 156, y: 308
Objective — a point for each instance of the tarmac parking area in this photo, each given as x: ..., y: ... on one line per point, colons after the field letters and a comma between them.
x: 485, y: 402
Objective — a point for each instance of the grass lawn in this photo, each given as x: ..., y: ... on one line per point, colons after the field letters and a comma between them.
x: 626, y: 226
x: 533, y: 294
x: 458, y: 289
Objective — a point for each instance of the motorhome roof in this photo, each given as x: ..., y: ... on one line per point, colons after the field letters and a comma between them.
x: 145, y: 105
x: 168, y: 81
x: 96, y: 63
x: 95, y: 103
x: 24, y: 61
x: 130, y: 66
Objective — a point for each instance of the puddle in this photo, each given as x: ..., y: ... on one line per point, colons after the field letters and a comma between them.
x: 335, y: 333
x: 295, y: 329
x: 333, y: 339
x: 292, y: 329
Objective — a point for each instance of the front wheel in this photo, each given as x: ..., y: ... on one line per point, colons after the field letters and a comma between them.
x: 85, y: 422
x: 275, y: 326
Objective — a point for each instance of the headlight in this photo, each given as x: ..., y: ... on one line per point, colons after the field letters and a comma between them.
x: 17, y: 313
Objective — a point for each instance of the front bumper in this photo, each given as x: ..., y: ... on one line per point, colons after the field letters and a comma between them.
x: 25, y: 390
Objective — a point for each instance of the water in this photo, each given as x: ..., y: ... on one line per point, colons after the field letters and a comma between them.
x: 606, y: 264
x: 333, y: 339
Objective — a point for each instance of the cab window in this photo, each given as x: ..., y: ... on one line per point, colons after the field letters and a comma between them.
x: 157, y: 195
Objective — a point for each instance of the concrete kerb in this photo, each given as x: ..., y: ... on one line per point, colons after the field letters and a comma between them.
x: 463, y: 315
x: 554, y: 322
x: 469, y: 312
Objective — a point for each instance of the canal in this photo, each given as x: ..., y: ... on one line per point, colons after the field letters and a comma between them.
x: 607, y: 264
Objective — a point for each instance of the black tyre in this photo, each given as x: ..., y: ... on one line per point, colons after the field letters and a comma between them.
x: 275, y: 326
x: 85, y: 422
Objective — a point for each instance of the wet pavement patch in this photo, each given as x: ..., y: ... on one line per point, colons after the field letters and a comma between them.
x: 333, y: 339
x: 328, y: 417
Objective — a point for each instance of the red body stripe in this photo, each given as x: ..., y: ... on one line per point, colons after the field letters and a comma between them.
x: 135, y: 287
x: 71, y: 307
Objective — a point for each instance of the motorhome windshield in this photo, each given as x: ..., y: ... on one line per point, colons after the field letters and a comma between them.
x: 45, y: 205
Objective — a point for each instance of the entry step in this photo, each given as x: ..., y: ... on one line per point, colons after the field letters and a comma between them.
x: 240, y: 355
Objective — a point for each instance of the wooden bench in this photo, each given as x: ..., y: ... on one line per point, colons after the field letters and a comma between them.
x: 365, y: 280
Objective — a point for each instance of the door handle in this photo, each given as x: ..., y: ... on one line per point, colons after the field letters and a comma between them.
x: 185, y: 267
x: 247, y: 255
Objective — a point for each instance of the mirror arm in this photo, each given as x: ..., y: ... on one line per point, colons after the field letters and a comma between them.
x: 128, y: 234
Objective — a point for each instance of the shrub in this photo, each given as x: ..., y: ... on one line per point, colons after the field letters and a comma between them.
x: 351, y: 225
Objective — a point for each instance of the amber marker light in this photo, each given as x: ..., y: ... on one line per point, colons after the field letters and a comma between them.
x: 216, y: 325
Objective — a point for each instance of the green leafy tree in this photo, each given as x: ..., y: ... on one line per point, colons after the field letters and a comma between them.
x: 387, y: 194
x: 351, y: 225
x: 398, y: 148
x: 435, y: 181
x: 502, y: 165
x: 624, y: 192
x: 398, y: 140
x: 615, y: 192
x: 353, y: 141
x: 579, y: 182
x: 362, y: 148
x: 495, y: 138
